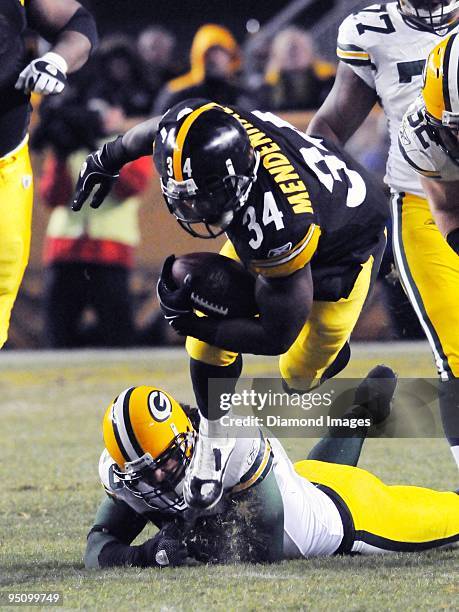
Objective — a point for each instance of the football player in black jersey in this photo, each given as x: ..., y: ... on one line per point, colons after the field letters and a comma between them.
x: 72, y: 32
x: 299, y: 214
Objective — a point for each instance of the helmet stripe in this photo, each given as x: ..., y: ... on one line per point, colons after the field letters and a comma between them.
x: 122, y: 427
x: 180, y: 140
x: 116, y: 433
x: 127, y: 422
x: 453, y: 67
x: 446, y: 74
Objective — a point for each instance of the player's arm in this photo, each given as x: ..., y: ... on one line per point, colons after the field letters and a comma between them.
x: 71, y: 29
x: 345, y: 108
x: 284, y: 305
x: 102, y: 167
x: 444, y: 205
x: 115, y: 527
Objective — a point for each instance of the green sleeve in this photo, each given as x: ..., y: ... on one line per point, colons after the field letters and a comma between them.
x: 267, y: 522
x: 115, y: 521
x: 249, y: 530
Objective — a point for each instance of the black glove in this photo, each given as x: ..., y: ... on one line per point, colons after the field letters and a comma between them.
x: 99, y: 169
x: 175, y: 302
x: 166, y: 549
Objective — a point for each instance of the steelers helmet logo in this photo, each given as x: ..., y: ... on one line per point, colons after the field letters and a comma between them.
x: 159, y: 405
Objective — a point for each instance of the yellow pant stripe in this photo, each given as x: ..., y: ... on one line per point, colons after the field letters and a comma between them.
x: 390, y: 517
x: 16, y: 197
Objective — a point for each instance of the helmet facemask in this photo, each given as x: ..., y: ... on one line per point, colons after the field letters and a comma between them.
x: 211, y: 207
x: 436, y: 16
x: 139, y: 475
x: 446, y: 133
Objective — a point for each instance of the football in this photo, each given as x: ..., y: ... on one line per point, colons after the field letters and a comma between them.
x: 220, y: 287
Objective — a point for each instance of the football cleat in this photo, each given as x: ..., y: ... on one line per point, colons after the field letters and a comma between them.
x: 374, y: 394
x: 203, y: 483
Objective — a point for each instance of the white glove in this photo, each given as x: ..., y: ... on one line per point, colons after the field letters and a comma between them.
x: 45, y: 75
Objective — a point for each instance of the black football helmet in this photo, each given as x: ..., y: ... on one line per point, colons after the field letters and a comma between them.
x: 436, y: 16
x: 206, y: 164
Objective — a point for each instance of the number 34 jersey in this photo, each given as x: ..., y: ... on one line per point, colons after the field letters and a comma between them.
x: 311, y: 202
x: 389, y: 56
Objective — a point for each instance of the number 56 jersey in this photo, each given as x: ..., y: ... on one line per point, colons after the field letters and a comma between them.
x: 389, y: 56
x: 311, y: 202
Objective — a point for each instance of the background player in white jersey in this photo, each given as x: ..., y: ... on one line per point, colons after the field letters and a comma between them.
x: 428, y: 140
x: 271, y: 509
x: 382, y: 50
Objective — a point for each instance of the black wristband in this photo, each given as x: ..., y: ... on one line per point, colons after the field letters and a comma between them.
x: 83, y: 22
x: 453, y: 240
x: 117, y: 554
x: 113, y: 155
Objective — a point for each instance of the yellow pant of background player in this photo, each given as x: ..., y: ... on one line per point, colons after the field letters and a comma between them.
x: 429, y: 271
x: 326, y: 331
x: 16, y: 198
x: 386, y: 517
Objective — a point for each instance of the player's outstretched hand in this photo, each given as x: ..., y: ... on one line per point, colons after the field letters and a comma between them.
x: 93, y: 173
x: 165, y: 549
x: 44, y: 75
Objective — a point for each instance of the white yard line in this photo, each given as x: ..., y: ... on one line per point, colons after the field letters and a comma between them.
x: 90, y: 356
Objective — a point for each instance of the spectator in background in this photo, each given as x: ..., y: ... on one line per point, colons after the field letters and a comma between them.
x: 156, y: 47
x: 88, y: 256
x: 295, y: 79
x: 119, y: 77
x: 215, y: 62
x: 256, y: 54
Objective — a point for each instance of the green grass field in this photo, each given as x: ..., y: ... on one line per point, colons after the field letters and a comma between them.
x: 50, y: 440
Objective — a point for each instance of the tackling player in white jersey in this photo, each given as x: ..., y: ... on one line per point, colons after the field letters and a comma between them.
x: 428, y: 141
x: 271, y: 509
x: 428, y: 137
x: 383, y: 49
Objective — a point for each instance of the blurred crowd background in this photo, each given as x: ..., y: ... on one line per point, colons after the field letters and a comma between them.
x: 91, y: 277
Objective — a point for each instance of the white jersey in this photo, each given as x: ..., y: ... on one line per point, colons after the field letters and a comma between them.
x: 389, y: 55
x: 312, y: 524
x: 420, y: 149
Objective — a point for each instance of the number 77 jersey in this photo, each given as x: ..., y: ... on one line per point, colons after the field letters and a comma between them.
x: 389, y: 55
x: 311, y: 202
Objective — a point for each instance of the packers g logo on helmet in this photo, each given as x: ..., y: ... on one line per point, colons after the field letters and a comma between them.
x: 159, y: 405
x: 146, y: 430
x: 440, y: 93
